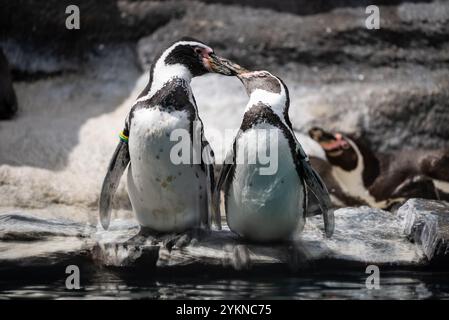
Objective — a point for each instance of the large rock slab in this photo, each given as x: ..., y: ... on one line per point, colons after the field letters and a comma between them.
x: 29, y: 241
x: 363, y: 236
x: 26, y: 227
x: 25, y: 27
x: 426, y: 223
x: 260, y: 37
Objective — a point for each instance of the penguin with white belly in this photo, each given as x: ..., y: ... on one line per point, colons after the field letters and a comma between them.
x: 264, y: 206
x: 168, y: 195
x: 382, y: 179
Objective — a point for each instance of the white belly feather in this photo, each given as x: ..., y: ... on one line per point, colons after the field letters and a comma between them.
x: 165, y: 197
x: 441, y: 185
x: 265, y: 207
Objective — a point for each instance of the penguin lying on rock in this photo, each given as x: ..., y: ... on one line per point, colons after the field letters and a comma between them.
x: 166, y: 196
x: 266, y: 206
x: 381, y: 180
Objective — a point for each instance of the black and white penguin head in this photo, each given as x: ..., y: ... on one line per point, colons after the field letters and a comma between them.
x: 339, y: 149
x: 190, y: 58
x: 261, y: 80
x: 264, y: 87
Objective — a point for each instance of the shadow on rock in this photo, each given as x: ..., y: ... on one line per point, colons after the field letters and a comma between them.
x: 8, y: 100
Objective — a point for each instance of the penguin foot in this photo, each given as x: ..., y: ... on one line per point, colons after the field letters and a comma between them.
x: 184, y: 239
x: 240, y: 257
x: 145, y: 235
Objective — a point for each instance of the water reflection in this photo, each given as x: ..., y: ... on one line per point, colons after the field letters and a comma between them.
x: 110, y: 285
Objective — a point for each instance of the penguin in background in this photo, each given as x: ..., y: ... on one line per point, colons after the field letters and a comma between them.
x: 167, y: 197
x: 268, y: 207
x: 382, y: 180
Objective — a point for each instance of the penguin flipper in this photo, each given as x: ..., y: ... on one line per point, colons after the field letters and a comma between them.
x: 213, y: 215
x: 227, y: 167
x: 316, y: 185
x: 117, y: 166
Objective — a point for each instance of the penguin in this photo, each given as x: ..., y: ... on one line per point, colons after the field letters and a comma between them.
x: 269, y: 206
x: 383, y: 180
x: 168, y: 195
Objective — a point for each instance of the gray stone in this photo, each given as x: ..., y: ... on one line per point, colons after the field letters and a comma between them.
x: 26, y: 227
x: 363, y: 236
x: 426, y: 223
x: 259, y: 37
x: 38, y: 44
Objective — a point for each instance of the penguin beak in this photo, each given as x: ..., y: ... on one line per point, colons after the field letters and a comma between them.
x: 321, y: 136
x: 316, y: 134
x: 328, y: 141
x: 221, y: 65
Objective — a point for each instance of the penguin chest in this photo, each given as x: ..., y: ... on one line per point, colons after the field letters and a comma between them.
x: 166, y: 196
x: 265, y: 198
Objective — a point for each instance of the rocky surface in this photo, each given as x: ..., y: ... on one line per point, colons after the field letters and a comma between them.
x: 427, y: 224
x: 363, y: 236
x: 38, y: 44
x: 59, y: 145
x: 337, y: 38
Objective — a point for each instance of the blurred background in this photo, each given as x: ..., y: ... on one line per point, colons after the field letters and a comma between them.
x: 64, y: 94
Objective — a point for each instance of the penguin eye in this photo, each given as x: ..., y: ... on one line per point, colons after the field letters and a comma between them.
x: 198, y: 50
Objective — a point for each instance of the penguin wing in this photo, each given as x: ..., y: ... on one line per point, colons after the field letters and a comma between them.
x: 225, y: 175
x: 117, y: 166
x: 316, y: 185
x: 208, y: 161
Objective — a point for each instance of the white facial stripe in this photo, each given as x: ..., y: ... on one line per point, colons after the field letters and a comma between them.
x: 163, y: 73
x: 351, y: 182
x: 275, y: 100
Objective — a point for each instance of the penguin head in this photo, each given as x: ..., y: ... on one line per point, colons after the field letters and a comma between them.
x: 262, y: 80
x: 265, y: 87
x: 338, y: 148
x: 197, y: 57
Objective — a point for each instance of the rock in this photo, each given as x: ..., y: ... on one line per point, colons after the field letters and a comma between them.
x: 38, y: 44
x: 305, y: 7
x: 99, y: 21
x: 29, y: 241
x: 335, y: 38
x: 58, y: 150
x: 8, y: 100
x: 426, y: 223
x: 363, y: 236
x: 26, y: 227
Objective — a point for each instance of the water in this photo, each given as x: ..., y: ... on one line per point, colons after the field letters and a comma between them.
x: 106, y: 284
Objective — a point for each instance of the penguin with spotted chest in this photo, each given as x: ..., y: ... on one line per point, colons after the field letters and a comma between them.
x: 166, y: 196
x: 269, y: 207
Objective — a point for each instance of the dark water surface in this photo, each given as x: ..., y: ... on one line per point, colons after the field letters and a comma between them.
x: 106, y: 284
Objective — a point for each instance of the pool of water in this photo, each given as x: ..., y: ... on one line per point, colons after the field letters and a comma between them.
x: 105, y: 284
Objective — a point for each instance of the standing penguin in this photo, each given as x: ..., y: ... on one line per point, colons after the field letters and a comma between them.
x: 167, y: 196
x: 272, y: 206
